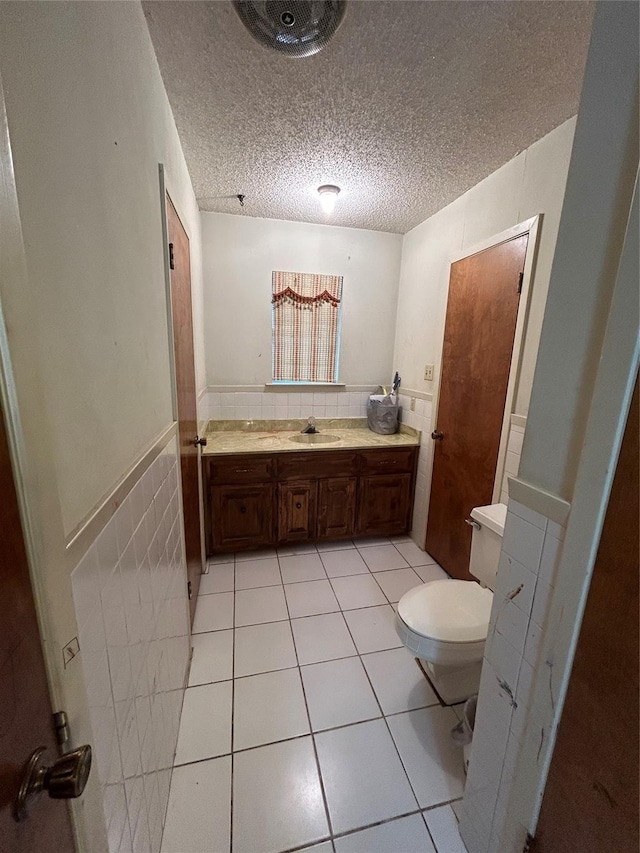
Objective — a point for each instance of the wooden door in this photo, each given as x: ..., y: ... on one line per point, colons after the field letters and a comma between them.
x: 336, y: 507
x: 385, y: 504
x: 297, y: 511
x: 26, y: 720
x: 242, y: 516
x: 591, y: 798
x: 180, y: 267
x: 482, y: 309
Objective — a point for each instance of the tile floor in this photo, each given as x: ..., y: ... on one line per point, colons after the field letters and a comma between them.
x: 306, y: 725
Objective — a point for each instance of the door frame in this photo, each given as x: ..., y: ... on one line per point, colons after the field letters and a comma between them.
x: 531, y: 227
x: 164, y: 191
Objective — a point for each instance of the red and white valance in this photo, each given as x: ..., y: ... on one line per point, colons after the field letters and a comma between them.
x: 306, y: 314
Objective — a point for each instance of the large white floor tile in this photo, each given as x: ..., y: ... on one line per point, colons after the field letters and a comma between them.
x: 371, y: 541
x: 443, y: 826
x: 433, y: 761
x: 403, y: 835
x: 381, y: 558
x: 395, y: 583
x: 363, y: 777
x: 213, y: 612
x: 398, y: 681
x: 413, y: 555
x: 255, y: 573
x: 310, y: 598
x: 277, y: 798
x: 341, y: 563
x: 338, y: 545
x: 295, y: 548
x: 255, y: 555
x: 262, y: 648
x: 357, y: 591
x: 219, y: 578
x: 212, y: 657
x: 199, y: 811
x: 338, y: 693
x: 268, y: 708
x: 373, y: 629
x: 320, y: 638
x: 256, y: 606
x: 205, y: 724
x: 302, y: 567
x: 432, y: 572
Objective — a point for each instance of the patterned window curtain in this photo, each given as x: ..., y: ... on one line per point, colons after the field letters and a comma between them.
x: 306, y: 316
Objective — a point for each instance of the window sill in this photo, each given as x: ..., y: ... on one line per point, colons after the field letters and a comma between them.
x: 288, y: 386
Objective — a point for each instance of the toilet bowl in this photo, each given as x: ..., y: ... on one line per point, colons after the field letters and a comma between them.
x: 445, y: 622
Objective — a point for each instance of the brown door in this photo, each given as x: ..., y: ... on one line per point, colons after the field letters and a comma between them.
x: 297, y: 511
x: 482, y: 308
x: 591, y: 798
x: 180, y: 265
x: 336, y: 507
x: 25, y: 710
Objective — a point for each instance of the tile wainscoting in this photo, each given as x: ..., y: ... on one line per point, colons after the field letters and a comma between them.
x: 254, y: 403
x: 130, y: 600
x: 530, y: 554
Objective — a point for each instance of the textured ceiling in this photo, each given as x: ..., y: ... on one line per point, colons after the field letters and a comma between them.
x: 410, y: 105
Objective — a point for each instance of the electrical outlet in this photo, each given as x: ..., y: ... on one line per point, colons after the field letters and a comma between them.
x: 428, y: 373
x: 413, y: 404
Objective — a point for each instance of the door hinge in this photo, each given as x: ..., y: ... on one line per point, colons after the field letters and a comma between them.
x: 520, y: 280
x: 172, y: 263
x: 189, y: 591
x: 61, y: 725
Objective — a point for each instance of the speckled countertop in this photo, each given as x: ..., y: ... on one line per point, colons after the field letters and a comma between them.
x: 229, y: 437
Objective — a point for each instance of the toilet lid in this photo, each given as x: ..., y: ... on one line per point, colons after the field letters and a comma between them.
x: 448, y: 610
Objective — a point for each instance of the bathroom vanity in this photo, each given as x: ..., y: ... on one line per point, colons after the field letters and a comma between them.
x: 267, y: 486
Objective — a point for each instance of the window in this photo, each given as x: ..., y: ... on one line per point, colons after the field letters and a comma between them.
x: 306, y: 315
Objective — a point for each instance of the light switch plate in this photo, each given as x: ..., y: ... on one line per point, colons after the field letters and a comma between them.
x: 428, y: 373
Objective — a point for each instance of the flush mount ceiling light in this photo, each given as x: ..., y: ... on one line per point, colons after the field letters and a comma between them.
x: 293, y: 28
x: 328, y: 194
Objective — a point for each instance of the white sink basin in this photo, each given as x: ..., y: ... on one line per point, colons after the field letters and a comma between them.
x: 314, y: 438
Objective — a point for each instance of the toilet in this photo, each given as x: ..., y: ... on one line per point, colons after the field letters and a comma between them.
x: 444, y: 623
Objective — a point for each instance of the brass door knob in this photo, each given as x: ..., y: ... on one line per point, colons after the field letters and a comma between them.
x: 64, y: 780
x: 199, y: 441
x: 436, y: 435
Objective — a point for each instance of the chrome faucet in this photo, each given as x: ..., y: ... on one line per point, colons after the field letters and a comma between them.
x: 311, y: 426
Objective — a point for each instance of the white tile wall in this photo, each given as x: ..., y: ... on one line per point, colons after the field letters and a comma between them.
x: 130, y: 599
x: 530, y: 553
x: 420, y: 419
x: 512, y: 459
x: 261, y: 405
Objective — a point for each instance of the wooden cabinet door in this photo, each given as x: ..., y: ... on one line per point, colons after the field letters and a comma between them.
x: 242, y: 516
x: 336, y: 507
x: 385, y: 504
x: 296, y: 511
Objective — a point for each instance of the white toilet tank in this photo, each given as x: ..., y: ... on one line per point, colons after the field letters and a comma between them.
x: 486, y: 542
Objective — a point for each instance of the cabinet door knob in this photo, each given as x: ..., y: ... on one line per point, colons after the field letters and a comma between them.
x: 200, y: 441
x: 298, y: 505
x: 243, y: 509
x: 436, y: 435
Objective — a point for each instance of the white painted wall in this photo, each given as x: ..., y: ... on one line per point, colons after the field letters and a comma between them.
x: 83, y: 300
x: 239, y: 255
x: 89, y: 122
x: 531, y: 183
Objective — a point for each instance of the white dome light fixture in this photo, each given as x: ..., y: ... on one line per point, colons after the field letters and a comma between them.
x: 328, y: 194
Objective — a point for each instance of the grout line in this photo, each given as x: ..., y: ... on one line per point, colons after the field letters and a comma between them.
x: 233, y: 706
x: 313, y: 740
